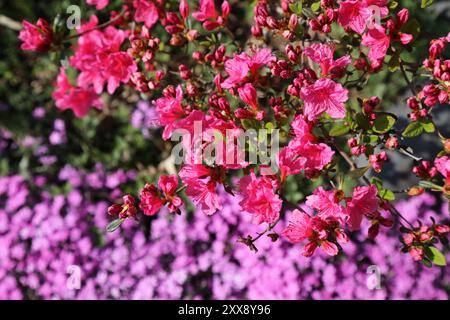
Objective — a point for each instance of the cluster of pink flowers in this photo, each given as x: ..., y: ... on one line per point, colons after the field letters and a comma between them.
x: 334, y: 211
x: 437, y: 92
x: 303, y: 90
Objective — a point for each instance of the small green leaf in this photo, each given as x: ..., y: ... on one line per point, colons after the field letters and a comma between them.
x: 383, y: 123
x: 359, y: 172
x: 114, y: 225
x: 426, y: 3
x: 436, y: 256
x: 393, y: 5
x: 296, y: 7
x: 441, y: 154
x: 339, y: 130
x: 427, y: 125
x: 413, y: 129
x: 386, y: 194
x: 315, y: 6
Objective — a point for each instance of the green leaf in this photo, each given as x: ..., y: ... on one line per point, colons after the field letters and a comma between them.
x: 426, y: 3
x: 436, y: 256
x: 413, y: 129
x: 441, y: 154
x: 362, y: 121
x: 427, y: 125
x: 386, y: 194
x: 315, y: 6
x: 383, y: 123
x: 114, y: 225
x: 393, y: 5
x: 296, y: 7
x: 339, y: 130
x: 359, y: 172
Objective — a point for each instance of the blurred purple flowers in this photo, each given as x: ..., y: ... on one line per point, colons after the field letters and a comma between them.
x: 43, y: 235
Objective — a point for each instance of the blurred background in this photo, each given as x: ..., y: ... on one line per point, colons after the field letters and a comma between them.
x: 58, y: 175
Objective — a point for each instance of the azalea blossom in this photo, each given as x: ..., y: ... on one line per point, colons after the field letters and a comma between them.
x: 207, y: 10
x: 443, y: 166
x: 322, y: 54
x: 146, y: 11
x: 324, y: 95
x: 170, y: 110
x: 208, y: 15
x: 201, y: 183
x: 363, y: 203
x: 302, y: 153
x: 378, y: 43
x: 99, y: 4
x: 357, y: 14
x: 68, y: 96
x: 239, y: 67
x: 259, y: 199
x: 302, y: 227
x: 154, y: 198
x: 328, y: 204
x: 38, y: 37
x: 151, y: 201
x: 100, y: 60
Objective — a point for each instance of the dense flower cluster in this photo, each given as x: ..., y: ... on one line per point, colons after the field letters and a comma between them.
x: 307, y: 88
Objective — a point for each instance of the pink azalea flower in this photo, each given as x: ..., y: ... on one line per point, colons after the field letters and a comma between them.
x: 302, y: 227
x: 239, y: 67
x: 170, y: 111
x: 364, y: 202
x: 317, y: 155
x: 119, y: 67
x: 322, y: 54
x: 302, y: 153
x: 36, y: 37
x: 324, y: 95
x: 146, y: 11
x: 355, y: 14
x: 207, y: 10
x: 208, y: 15
x: 290, y: 162
x: 443, y: 166
x: 169, y: 185
x: 299, y: 228
x: 260, y: 199
x: 151, y: 200
x: 100, y: 60
x: 327, y: 204
x: 378, y: 43
x: 100, y: 4
x: 204, y: 194
x: 308, y: 157
x: 247, y: 93
x: 302, y: 129
x: 80, y: 100
x: 201, y: 182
